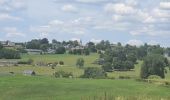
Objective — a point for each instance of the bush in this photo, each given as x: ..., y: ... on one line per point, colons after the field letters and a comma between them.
x: 154, y: 77
x: 60, y: 50
x: 80, y: 62
x: 9, y: 54
x: 94, y: 72
x: 62, y: 74
x: 61, y: 62
x: 29, y: 62
x: 124, y: 77
x: 22, y: 62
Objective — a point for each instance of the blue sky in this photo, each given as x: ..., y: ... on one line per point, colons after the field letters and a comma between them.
x: 128, y: 21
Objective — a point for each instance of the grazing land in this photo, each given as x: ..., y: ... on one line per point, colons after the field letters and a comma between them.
x: 49, y: 88
x: 45, y: 86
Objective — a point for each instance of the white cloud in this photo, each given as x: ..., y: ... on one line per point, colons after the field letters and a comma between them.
x: 58, y: 26
x: 131, y: 2
x: 91, y: 1
x: 165, y: 5
x: 18, y: 4
x: 95, y: 40
x: 5, y: 16
x: 117, y: 17
x: 75, y: 39
x: 2, y: 2
x: 69, y: 8
x: 161, y: 13
x: 119, y: 8
x: 135, y: 42
x: 152, y: 42
x: 12, y: 32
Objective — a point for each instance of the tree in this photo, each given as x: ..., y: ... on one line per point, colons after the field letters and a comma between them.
x: 91, y: 46
x: 107, y: 67
x: 44, y: 47
x: 80, y: 62
x: 94, y: 72
x: 1, y: 46
x: 153, y: 64
x: 44, y: 41
x: 9, y: 54
x: 60, y: 50
x: 33, y: 44
x: 86, y: 52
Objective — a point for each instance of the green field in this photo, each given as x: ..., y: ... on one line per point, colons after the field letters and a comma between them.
x: 45, y: 87
x: 69, y: 64
x: 49, y: 88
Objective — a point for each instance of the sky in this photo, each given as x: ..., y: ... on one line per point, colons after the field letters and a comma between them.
x: 127, y: 21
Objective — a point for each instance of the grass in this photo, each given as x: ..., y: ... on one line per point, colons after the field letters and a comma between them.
x: 49, y: 88
x: 69, y: 66
x: 69, y: 60
x: 134, y: 74
x: 46, y: 87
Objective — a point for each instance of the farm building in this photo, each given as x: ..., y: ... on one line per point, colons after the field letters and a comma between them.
x: 29, y: 72
x: 34, y: 51
x: 8, y: 63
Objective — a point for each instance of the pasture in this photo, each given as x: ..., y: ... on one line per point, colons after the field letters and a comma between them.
x: 45, y: 86
x: 50, y: 88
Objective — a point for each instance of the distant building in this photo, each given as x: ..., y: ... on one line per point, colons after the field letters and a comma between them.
x: 34, y: 51
x: 51, y: 51
x: 78, y: 48
x: 8, y: 44
x: 29, y: 72
x: 8, y: 63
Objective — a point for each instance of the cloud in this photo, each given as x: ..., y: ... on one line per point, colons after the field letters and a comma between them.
x: 119, y: 8
x: 91, y: 1
x: 5, y: 16
x: 165, y: 5
x: 131, y: 2
x: 152, y: 42
x: 2, y: 2
x: 76, y: 26
x: 12, y: 5
x: 69, y: 8
x: 95, y: 40
x: 75, y: 39
x: 135, y: 42
x: 13, y: 32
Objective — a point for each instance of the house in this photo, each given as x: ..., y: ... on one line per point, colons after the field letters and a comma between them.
x: 78, y: 48
x: 51, y: 51
x: 8, y: 44
x: 34, y: 51
x: 8, y: 63
x: 29, y: 73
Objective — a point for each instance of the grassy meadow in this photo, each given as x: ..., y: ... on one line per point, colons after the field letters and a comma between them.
x: 50, y: 88
x: 44, y: 86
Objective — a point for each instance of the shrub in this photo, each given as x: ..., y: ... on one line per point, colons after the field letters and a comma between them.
x: 22, y: 62
x: 61, y: 62
x: 154, y: 77
x: 124, y: 77
x: 29, y: 62
x: 80, y: 62
x: 94, y: 72
x: 62, y: 74
x: 9, y: 54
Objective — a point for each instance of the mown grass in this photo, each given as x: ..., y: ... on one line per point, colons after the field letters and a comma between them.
x: 46, y: 87
x: 50, y: 88
x: 69, y: 60
x: 69, y: 64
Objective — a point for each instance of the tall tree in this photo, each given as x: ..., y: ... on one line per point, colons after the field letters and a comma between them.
x: 153, y: 64
x: 1, y: 46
